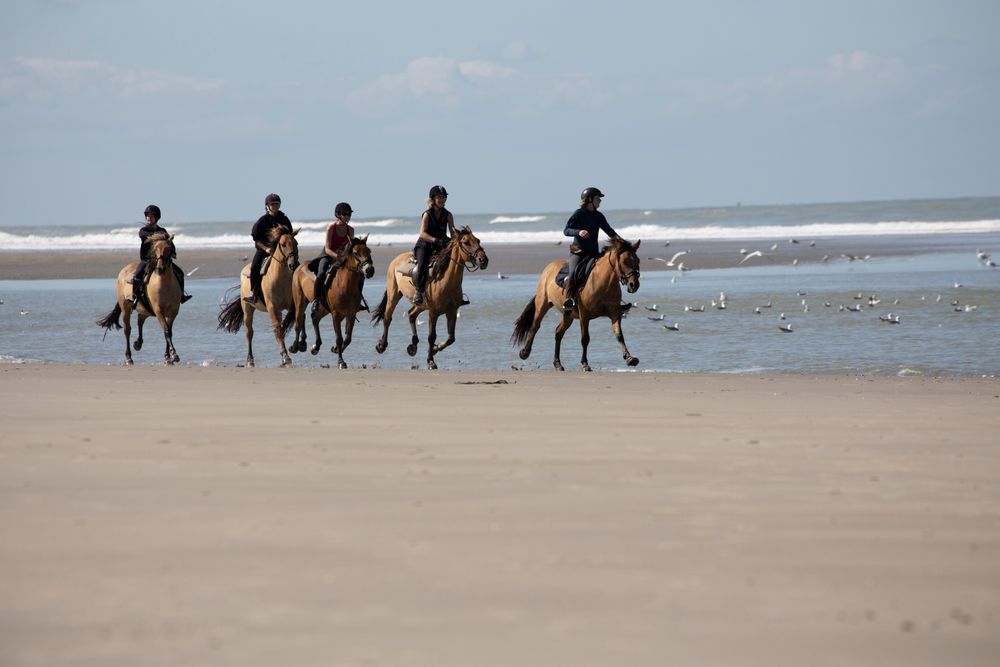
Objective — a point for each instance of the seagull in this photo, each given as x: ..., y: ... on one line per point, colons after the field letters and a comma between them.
x: 652, y: 308
x: 969, y: 308
x: 958, y: 285
x: 658, y: 318
x: 747, y: 256
x: 245, y: 258
x: 774, y: 246
x: 672, y: 327
x: 501, y: 276
x: 785, y: 328
x: 756, y: 311
x: 25, y: 312
x: 1, y: 302
x: 802, y: 293
x: 766, y: 305
x: 792, y: 240
x: 812, y: 244
x: 859, y: 296
x: 855, y: 308
x: 681, y: 267
x: 795, y: 262
x: 192, y: 270
x: 826, y: 304
x: 826, y: 258
x: 694, y: 309
x: 781, y: 316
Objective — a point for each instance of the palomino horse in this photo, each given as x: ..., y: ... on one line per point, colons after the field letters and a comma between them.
x: 343, y: 296
x: 162, y: 300
x: 600, y: 296
x: 442, y: 295
x: 275, y: 287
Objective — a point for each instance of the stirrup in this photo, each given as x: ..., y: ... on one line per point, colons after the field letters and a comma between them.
x: 250, y: 298
x: 569, y: 303
x: 186, y: 297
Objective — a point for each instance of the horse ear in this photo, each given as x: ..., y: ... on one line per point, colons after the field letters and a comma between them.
x: 635, y: 246
x: 296, y: 231
x: 170, y: 237
x: 364, y: 239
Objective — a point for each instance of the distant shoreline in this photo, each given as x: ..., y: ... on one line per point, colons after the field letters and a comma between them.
x: 507, y: 258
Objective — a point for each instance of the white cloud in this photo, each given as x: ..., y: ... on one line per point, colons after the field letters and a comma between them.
x: 47, y: 78
x: 431, y: 76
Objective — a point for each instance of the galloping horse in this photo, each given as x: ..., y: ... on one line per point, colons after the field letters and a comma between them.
x: 600, y: 296
x: 442, y: 295
x: 275, y: 287
x: 343, y: 296
x: 162, y: 297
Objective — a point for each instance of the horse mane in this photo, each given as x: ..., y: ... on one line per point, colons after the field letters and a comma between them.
x: 162, y: 235
x: 274, y: 234
x: 440, y: 260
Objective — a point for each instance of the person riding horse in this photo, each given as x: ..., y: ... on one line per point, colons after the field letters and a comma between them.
x: 273, y: 217
x: 152, y: 215
x: 435, y: 224
x: 583, y: 226
x: 338, y: 236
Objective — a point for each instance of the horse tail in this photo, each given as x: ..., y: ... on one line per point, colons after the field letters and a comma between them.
x: 379, y: 313
x: 285, y: 323
x: 523, y: 324
x: 231, y: 317
x: 111, y: 319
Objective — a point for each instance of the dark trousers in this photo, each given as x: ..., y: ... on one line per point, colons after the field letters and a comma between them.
x: 258, y: 259
x: 573, y: 265
x: 422, y: 253
x: 322, y: 279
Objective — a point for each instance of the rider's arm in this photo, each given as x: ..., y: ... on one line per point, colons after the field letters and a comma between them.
x: 328, y: 247
x: 424, y: 236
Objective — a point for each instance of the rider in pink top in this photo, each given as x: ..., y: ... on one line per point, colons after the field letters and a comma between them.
x: 338, y: 236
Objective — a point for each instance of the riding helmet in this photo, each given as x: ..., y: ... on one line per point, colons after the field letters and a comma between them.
x: 272, y: 199
x: 437, y: 190
x: 154, y: 211
x: 343, y: 208
x: 590, y: 193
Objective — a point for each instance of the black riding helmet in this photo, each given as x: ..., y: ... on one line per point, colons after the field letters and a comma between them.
x: 272, y: 199
x: 437, y: 190
x: 343, y: 208
x: 590, y: 193
x: 154, y: 211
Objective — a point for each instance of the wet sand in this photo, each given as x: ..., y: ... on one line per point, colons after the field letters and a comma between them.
x: 377, y: 517
x: 504, y: 258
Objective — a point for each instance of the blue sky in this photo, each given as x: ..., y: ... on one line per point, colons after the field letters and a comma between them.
x: 204, y: 107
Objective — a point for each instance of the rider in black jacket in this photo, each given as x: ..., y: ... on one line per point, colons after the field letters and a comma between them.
x: 435, y: 224
x: 152, y: 215
x: 583, y: 226
x: 261, y: 231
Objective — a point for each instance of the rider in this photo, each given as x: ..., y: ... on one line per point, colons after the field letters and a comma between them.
x: 273, y: 217
x: 435, y: 224
x: 583, y: 226
x: 152, y: 214
x: 338, y: 236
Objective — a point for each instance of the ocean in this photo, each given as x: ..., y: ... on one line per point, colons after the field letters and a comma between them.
x: 947, y: 302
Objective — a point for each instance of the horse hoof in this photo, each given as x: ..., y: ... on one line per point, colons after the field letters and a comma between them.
x: 558, y: 366
x: 175, y: 359
x: 314, y: 350
x: 431, y: 366
x: 586, y: 368
x: 411, y: 350
x: 632, y: 361
x: 380, y: 347
x: 524, y: 353
x: 137, y: 345
x: 129, y: 362
x: 343, y: 364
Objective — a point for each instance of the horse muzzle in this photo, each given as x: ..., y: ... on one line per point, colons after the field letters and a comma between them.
x: 369, y: 269
x: 482, y: 260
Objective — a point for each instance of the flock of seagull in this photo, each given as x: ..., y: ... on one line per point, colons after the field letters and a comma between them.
x: 872, y: 300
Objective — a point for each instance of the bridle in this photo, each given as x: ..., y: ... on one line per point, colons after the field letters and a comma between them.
x: 625, y: 277
x: 359, y: 264
x: 472, y: 260
x: 294, y: 255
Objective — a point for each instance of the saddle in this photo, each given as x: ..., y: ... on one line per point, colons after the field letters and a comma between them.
x: 410, y: 265
x: 583, y: 270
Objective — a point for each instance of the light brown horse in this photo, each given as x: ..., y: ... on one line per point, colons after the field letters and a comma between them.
x: 275, y: 287
x: 343, y: 295
x: 162, y: 297
x: 600, y: 296
x: 442, y: 294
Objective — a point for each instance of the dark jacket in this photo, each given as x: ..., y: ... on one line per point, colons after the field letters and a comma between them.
x: 262, y: 228
x: 144, y: 233
x: 591, y: 221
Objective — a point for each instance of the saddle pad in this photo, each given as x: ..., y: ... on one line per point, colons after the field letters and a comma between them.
x: 583, y: 270
x: 406, y: 268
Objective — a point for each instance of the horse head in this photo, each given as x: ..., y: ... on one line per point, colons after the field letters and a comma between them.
x: 470, y: 250
x: 289, y: 249
x: 162, y: 251
x: 358, y: 257
x: 625, y: 262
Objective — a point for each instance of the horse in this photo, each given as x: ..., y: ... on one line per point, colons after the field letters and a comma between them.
x: 600, y: 296
x: 162, y: 298
x: 442, y: 294
x: 276, y: 290
x: 343, y: 295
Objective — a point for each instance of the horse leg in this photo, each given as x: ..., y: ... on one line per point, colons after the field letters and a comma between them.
x: 338, y: 347
x: 411, y: 349
x: 165, y: 325
x: 450, y: 318
x: 127, y: 316
x: 561, y: 328
x: 584, y: 342
x: 616, y: 327
x: 248, y: 311
x: 432, y: 320
x: 540, y: 311
x: 393, y: 295
x: 316, y: 318
x: 275, y: 316
x: 140, y: 320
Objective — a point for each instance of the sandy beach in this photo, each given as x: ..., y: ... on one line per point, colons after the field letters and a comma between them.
x: 318, y: 517
x: 526, y: 258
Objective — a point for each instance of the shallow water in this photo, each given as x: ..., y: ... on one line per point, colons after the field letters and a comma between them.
x: 931, y: 338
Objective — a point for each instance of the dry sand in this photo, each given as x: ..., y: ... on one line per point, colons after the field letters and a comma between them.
x: 375, y: 517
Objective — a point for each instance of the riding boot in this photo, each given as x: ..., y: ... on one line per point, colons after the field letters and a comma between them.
x: 136, y: 286
x: 569, y: 294
x: 319, y: 294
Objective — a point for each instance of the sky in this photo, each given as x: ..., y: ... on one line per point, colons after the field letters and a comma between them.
x: 204, y: 107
